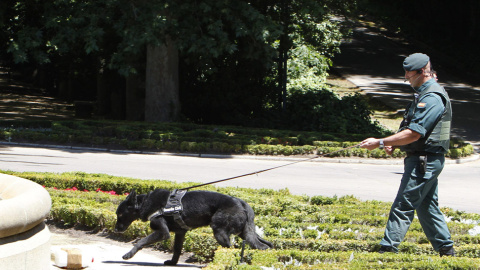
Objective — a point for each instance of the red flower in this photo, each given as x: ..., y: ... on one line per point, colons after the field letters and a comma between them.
x: 112, y: 192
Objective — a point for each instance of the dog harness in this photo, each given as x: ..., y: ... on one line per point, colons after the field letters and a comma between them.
x: 173, y: 208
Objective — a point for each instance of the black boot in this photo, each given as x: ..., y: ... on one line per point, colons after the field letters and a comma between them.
x: 384, y: 249
x: 447, y: 251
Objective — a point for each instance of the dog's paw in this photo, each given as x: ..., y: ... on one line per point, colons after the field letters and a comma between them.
x: 169, y: 262
x: 128, y: 256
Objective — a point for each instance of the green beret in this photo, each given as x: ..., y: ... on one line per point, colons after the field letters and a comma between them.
x: 415, y: 61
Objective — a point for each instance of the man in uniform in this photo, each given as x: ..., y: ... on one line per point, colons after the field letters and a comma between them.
x: 424, y: 135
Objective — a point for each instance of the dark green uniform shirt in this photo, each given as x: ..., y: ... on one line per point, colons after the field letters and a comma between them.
x: 430, y: 116
x: 428, y: 112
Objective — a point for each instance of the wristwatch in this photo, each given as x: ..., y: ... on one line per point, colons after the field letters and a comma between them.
x: 381, y: 146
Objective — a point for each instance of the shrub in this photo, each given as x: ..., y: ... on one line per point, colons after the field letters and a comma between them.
x: 322, y: 200
x: 322, y: 110
x: 175, y: 137
x: 307, y: 233
x: 203, y: 245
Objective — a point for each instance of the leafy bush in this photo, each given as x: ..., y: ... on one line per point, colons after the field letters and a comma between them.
x: 459, y: 149
x: 322, y: 200
x: 322, y: 110
x: 191, y: 138
x: 307, y: 232
x: 297, y: 259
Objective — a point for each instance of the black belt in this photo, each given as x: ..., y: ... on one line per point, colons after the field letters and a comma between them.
x: 423, y: 153
x: 422, y: 157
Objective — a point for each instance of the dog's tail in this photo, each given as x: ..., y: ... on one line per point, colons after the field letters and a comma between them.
x: 249, y: 233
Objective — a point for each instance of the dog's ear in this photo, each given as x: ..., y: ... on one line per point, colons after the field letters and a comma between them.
x: 132, y: 197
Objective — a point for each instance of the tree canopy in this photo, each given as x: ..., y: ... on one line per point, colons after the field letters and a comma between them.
x: 230, y: 53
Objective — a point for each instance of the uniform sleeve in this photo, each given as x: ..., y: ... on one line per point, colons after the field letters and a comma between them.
x: 428, y: 111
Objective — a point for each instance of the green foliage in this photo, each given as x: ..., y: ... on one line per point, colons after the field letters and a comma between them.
x: 228, y: 50
x: 322, y: 200
x: 201, y: 139
x: 296, y: 259
x: 307, y: 233
x: 167, y: 136
x: 315, y: 42
x: 62, y: 27
x: 321, y: 110
x: 203, y: 245
x: 459, y: 148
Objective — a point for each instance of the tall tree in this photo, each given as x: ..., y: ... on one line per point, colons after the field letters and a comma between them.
x: 206, y: 35
x: 162, y: 103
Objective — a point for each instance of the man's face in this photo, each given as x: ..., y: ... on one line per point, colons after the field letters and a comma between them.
x: 412, y: 77
x: 417, y: 78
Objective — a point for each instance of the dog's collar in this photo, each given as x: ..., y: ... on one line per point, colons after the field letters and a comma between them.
x: 155, y: 215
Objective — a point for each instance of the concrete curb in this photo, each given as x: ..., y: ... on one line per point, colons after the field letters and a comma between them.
x: 387, y: 161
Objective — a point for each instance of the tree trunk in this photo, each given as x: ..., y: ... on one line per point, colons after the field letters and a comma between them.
x: 162, y: 102
x: 103, y: 94
x: 110, y: 94
x: 65, y: 85
x: 135, y: 98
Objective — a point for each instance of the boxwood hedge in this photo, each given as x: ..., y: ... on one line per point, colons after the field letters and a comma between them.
x: 307, y: 232
x: 200, y: 139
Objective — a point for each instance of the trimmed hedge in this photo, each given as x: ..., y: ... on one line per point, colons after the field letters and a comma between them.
x: 300, y: 259
x: 193, y: 138
x: 307, y: 232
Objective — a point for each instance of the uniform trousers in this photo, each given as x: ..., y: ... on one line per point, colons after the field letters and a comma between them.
x: 418, y: 192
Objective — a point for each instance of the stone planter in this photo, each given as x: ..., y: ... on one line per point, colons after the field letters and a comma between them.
x: 24, y: 237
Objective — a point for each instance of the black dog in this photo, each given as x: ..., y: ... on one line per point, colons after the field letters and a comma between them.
x: 225, y: 214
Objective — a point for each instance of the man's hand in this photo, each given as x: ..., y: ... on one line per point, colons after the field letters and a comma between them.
x: 403, y: 137
x: 370, y: 143
x: 389, y: 150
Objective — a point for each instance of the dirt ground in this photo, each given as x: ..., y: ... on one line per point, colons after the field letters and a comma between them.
x: 20, y: 101
x: 77, y: 236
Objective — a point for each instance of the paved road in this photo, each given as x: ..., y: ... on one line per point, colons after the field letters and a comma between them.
x: 458, y: 188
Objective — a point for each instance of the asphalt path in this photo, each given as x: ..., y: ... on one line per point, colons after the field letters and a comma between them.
x: 458, y: 184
